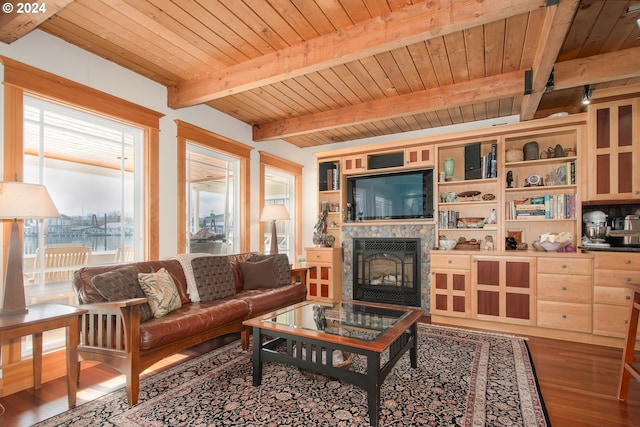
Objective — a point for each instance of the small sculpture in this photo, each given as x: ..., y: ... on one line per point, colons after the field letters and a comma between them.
x: 488, y: 243
x: 320, y: 235
x: 509, y: 179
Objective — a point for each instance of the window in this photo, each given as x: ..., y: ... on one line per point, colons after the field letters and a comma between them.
x: 280, y: 183
x: 212, y: 193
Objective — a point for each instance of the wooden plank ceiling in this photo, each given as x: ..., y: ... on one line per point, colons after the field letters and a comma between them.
x: 314, y: 72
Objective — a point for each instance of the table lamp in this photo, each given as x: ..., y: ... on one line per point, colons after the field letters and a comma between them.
x: 274, y: 213
x: 19, y: 200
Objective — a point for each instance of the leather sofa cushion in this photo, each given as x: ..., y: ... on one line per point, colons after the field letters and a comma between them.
x: 87, y: 294
x: 191, y: 319
x: 265, y: 300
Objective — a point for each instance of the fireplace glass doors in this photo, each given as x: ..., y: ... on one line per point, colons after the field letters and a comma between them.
x: 387, y: 270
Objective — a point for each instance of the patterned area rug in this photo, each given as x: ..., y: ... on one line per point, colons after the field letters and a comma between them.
x: 464, y: 378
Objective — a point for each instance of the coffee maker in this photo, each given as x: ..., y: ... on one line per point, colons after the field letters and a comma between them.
x: 595, y: 229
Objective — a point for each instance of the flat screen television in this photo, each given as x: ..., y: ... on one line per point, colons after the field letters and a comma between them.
x: 394, y: 195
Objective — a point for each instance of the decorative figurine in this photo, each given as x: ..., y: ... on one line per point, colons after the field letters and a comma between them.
x: 509, y: 179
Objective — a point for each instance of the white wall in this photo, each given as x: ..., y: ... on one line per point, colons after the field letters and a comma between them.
x: 51, y: 54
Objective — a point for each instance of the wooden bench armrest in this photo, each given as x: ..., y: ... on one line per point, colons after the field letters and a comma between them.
x: 113, y: 325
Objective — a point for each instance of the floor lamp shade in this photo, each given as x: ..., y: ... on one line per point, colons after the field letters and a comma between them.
x: 274, y: 213
x: 19, y: 200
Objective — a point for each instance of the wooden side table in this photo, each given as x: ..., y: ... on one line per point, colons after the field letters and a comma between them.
x: 44, y: 317
x: 628, y: 356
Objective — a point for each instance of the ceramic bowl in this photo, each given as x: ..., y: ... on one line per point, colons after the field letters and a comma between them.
x: 447, y: 245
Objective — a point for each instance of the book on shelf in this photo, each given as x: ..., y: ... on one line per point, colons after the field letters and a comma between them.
x: 558, y: 206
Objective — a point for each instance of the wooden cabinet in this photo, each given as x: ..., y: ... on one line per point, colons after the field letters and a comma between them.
x: 564, y: 294
x: 611, y: 296
x: 504, y: 288
x: 450, y: 284
x: 419, y: 156
x: 614, y: 150
x: 325, y: 273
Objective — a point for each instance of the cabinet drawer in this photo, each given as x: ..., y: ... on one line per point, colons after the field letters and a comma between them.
x: 617, y: 278
x: 565, y: 265
x: 315, y: 256
x: 565, y: 288
x: 566, y: 316
x: 618, y: 260
x: 610, y: 320
x: 612, y: 295
x: 450, y: 261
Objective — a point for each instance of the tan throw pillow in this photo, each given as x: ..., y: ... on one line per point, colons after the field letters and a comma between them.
x: 120, y: 284
x: 161, y: 292
x: 259, y: 274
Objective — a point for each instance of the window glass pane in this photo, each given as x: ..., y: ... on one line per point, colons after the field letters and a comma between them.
x: 279, y: 190
x: 212, y: 191
x: 92, y: 167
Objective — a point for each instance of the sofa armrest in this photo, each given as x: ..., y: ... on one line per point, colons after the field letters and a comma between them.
x: 299, y: 276
x: 112, y: 326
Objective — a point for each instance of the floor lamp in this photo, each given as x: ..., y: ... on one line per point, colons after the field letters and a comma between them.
x: 274, y: 213
x: 20, y: 201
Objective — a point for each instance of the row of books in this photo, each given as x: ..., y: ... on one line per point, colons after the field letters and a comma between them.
x: 559, y: 206
x: 333, y: 178
x: 490, y: 163
x: 448, y: 219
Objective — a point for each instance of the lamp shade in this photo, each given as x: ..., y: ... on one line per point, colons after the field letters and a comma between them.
x: 19, y: 200
x: 274, y: 213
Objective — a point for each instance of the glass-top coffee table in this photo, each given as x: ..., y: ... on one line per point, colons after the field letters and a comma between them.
x: 308, y: 334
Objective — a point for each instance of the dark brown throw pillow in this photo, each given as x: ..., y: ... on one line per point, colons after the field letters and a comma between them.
x: 260, y: 274
x: 122, y: 284
x: 281, y: 268
x: 214, y: 277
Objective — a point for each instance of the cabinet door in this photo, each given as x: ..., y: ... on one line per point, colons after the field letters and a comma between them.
x: 419, y: 156
x: 450, y: 292
x: 354, y: 164
x: 319, y: 283
x: 613, y: 150
x: 504, y: 289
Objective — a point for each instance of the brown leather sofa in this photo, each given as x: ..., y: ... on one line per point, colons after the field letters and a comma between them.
x: 111, y: 332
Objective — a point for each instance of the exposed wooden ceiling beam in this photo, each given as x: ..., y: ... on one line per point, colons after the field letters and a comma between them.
x: 485, y: 89
x: 556, y: 24
x: 406, y: 26
x: 14, y: 25
x: 623, y: 64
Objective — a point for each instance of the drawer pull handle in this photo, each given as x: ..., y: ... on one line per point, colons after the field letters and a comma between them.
x: 627, y: 279
x: 564, y: 316
x: 626, y: 322
x: 627, y: 261
x: 564, y: 288
x: 449, y: 261
x: 627, y: 297
x: 564, y: 265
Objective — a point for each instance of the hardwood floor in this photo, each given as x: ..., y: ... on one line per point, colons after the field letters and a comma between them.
x: 578, y: 382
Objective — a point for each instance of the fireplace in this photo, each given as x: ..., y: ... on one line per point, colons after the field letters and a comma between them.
x: 387, y: 270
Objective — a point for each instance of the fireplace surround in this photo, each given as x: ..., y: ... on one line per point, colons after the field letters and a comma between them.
x: 387, y: 270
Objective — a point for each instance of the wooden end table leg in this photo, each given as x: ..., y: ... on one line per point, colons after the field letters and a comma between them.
x: 72, y: 336
x: 37, y: 360
x: 629, y: 348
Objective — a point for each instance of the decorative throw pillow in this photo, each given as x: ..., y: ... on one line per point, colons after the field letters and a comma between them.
x: 161, y: 292
x: 214, y: 277
x: 260, y: 274
x: 122, y: 284
x: 282, y: 268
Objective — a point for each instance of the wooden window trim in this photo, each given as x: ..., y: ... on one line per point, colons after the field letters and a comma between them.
x: 196, y: 135
x: 270, y: 160
x: 20, y: 79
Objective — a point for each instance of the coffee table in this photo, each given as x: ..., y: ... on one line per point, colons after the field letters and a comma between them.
x: 308, y: 334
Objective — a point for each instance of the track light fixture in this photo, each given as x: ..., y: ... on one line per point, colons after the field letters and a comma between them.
x: 586, y: 95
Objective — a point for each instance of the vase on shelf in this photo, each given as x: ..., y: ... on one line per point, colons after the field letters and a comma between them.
x: 449, y: 166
